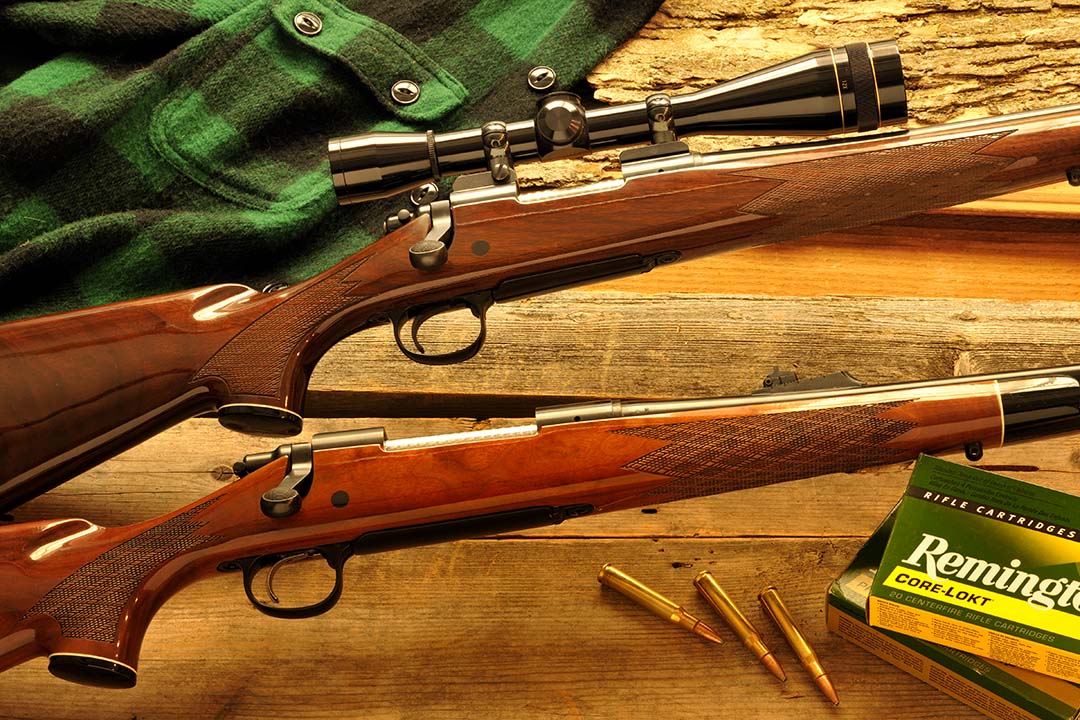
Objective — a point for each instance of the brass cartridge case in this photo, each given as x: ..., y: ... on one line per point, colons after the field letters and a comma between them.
x: 711, y: 590
x: 654, y: 602
x: 775, y: 608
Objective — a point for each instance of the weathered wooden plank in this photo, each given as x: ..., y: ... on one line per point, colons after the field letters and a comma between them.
x: 1031, y: 253
x: 578, y: 345
x: 491, y: 629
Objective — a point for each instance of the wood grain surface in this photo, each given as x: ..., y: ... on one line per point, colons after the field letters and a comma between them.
x: 518, y: 627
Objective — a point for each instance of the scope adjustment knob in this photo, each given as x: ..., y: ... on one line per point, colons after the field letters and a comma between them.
x: 561, y: 130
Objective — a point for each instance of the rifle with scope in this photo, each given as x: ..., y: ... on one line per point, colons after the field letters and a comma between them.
x: 79, y: 387
x: 83, y: 595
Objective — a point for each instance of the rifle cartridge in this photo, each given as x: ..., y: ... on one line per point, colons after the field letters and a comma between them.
x: 774, y: 607
x: 654, y: 602
x: 724, y: 606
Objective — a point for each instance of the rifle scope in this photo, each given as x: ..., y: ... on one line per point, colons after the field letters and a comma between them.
x: 856, y: 87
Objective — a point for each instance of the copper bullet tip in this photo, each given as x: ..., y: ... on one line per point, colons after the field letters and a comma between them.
x: 827, y: 689
x: 708, y: 633
x: 774, y: 667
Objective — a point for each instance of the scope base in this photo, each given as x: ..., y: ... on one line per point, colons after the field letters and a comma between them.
x: 652, y: 152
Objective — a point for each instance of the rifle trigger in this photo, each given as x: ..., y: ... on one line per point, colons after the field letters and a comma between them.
x: 419, y: 320
x: 306, y: 555
x: 334, y: 555
x: 477, y: 303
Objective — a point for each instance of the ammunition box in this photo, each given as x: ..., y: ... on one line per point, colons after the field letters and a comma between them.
x: 997, y: 690
x: 984, y: 564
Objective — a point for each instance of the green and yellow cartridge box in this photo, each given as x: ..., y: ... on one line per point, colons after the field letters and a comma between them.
x: 986, y: 564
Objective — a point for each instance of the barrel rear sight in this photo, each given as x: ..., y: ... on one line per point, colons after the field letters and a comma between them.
x: 857, y: 87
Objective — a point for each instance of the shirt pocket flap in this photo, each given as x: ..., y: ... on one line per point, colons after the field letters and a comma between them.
x: 376, y: 54
x: 244, y: 119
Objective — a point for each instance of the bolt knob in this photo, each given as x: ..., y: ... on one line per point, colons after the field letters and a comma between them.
x: 280, y: 502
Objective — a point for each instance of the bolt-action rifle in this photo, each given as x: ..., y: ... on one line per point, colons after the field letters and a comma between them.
x: 79, y: 387
x: 83, y: 595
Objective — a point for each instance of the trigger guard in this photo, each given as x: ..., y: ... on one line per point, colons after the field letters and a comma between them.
x: 335, y: 555
x: 478, y: 304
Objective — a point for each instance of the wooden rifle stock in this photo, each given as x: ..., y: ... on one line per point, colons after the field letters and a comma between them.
x: 84, y: 595
x: 77, y: 388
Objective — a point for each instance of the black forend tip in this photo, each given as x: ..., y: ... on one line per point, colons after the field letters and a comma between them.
x: 90, y: 670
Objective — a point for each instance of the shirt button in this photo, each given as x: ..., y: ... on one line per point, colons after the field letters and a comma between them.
x: 307, y: 23
x: 541, y: 77
x: 405, y: 92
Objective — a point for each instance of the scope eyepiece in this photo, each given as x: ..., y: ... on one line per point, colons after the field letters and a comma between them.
x: 856, y: 87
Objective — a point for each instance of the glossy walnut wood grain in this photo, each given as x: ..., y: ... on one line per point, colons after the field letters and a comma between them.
x: 78, y: 387
x: 74, y: 588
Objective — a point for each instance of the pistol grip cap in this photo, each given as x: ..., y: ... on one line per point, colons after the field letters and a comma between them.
x: 92, y: 670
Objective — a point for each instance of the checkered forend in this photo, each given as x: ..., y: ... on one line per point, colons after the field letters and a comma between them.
x: 707, y: 457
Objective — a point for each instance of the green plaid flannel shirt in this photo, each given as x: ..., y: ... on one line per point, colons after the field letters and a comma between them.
x: 156, y: 145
